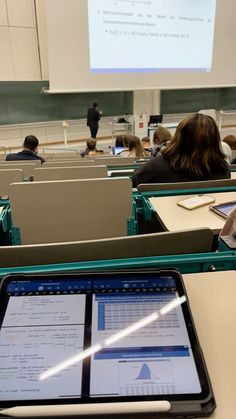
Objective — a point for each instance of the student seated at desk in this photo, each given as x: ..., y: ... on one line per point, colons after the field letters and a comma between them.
x: 226, y: 151
x: 119, y: 145
x: 91, y: 149
x: 230, y: 140
x: 29, y: 152
x: 119, y: 141
x: 126, y: 139
x: 194, y: 154
x: 134, y: 148
x: 146, y: 146
x: 161, y: 137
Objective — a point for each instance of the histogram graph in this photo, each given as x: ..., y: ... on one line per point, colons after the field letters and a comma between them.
x: 143, y: 378
x: 145, y: 373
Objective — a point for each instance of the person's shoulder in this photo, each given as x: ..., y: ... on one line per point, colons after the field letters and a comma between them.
x: 159, y: 160
x: 8, y: 157
x: 13, y: 156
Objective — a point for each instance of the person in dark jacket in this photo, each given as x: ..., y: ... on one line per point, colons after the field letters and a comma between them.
x: 193, y: 154
x: 29, y: 152
x: 93, y: 116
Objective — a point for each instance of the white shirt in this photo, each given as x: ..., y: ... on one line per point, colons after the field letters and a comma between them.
x: 227, y: 151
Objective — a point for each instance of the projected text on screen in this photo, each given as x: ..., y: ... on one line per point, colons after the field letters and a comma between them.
x: 151, y: 35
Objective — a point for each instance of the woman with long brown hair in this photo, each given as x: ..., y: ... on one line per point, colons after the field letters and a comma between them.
x: 194, y: 154
x: 134, y: 148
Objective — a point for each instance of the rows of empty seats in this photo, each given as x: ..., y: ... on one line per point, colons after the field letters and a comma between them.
x: 79, y: 213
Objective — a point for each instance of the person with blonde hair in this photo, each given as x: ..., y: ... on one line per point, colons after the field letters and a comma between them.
x: 193, y: 154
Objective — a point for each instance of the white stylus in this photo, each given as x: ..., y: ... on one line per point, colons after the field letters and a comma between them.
x: 88, y: 409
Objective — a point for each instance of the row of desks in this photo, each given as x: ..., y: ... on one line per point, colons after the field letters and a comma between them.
x: 164, y: 207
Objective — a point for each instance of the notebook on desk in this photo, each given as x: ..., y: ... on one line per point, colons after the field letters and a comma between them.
x: 101, y: 343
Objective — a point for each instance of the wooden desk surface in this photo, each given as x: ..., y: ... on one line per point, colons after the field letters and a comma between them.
x: 176, y: 218
x: 212, y: 298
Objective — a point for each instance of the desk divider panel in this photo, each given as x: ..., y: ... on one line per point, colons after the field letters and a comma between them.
x: 71, y: 210
x: 27, y: 168
x: 61, y: 156
x: 60, y: 173
x: 114, y: 160
x: 152, y: 187
x: 68, y: 163
x: 156, y: 244
x: 36, y: 162
x: 8, y: 176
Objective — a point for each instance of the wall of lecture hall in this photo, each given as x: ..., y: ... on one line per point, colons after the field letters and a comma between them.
x: 18, y: 41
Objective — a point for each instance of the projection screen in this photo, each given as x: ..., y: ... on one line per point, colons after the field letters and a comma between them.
x: 108, y: 45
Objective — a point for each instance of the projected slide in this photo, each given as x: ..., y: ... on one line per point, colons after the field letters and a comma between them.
x: 156, y: 359
x: 150, y: 35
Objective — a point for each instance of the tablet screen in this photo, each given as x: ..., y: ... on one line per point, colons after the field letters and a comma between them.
x: 157, y: 359
x: 94, y: 336
x: 42, y: 326
x: 224, y: 209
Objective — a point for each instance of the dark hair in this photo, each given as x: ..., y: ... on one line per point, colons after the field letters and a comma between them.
x: 95, y: 104
x: 31, y: 142
x: 119, y: 141
x: 91, y: 144
x: 231, y: 141
x: 126, y: 139
x: 195, y: 148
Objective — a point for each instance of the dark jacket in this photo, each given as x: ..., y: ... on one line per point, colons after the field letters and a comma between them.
x: 157, y: 170
x: 93, y: 117
x: 24, y: 155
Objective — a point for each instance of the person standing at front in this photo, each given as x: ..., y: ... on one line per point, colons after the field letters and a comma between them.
x: 93, y: 116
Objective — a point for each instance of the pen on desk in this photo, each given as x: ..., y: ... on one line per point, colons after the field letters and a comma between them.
x: 87, y: 409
